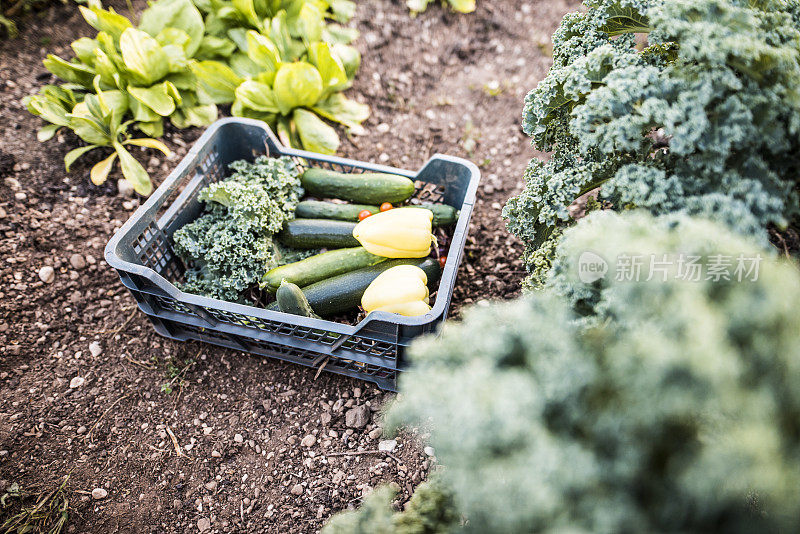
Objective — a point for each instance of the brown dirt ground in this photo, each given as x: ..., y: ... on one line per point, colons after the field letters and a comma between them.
x: 442, y: 83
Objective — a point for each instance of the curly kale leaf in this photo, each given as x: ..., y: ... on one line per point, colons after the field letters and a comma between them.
x: 430, y: 511
x: 703, y: 120
x: 229, y: 247
x: 621, y: 406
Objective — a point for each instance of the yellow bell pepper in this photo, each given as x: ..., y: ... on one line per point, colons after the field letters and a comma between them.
x: 402, y: 289
x: 397, y: 233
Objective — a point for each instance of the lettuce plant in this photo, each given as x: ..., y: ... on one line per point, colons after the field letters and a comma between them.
x: 139, y: 74
x: 701, y: 116
x: 618, y: 405
x: 290, y: 24
x: 286, y: 65
x: 462, y: 6
x: 290, y: 96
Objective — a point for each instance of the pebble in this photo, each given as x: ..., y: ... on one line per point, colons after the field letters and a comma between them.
x: 308, y: 441
x: 129, y: 205
x: 375, y: 433
x: 47, y: 274
x: 384, y: 157
x: 95, y: 349
x: 429, y: 451
x: 124, y: 187
x: 20, y: 196
x: 357, y: 417
x: 3, y: 213
x: 99, y: 494
x: 382, y: 128
x: 238, y: 438
x: 211, y: 486
x: 77, y: 261
x: 297, y: 489
x: 216, y: 454
x: 76, y: 382
x: 81, y: 430
x: 203, y: 524
x: 387, y: 445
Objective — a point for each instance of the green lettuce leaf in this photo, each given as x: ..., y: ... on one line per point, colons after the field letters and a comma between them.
x: 217, y: 82
x: 296, y: 85
x: 257, y: 96
x: 314, y: 134
x: 143, y: 56
x: 176, y: 14
x: 334, y: 77
x: 341, y: 109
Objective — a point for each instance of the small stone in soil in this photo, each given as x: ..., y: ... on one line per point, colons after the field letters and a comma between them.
x: 124, y: 187
x: 99, y: 494
x: 76, y: 382
x: 95, y: 349
x: 47, y: 274
x: 238, y: 438
x: 357, y: 417
x: 203, y: 524
x: 429, y: 451
x: 388, y: 445
x: 297, y: 489
x: 77, y: 261
x: 308, y: 441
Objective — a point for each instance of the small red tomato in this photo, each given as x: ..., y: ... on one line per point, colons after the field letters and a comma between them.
x: 442, y: 261
x: 386, y: 206
x: 363, y: 214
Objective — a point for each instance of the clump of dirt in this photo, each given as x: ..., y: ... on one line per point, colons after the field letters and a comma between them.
x: 187, y: 437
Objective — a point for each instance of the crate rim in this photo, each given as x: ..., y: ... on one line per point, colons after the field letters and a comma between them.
x: 158, y: 196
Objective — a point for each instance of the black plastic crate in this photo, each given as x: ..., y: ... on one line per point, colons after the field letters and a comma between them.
x: 142, y: 253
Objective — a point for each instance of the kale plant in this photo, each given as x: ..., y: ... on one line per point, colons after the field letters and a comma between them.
x: 628, y: 406
x: 703, y: 118
x: 430, y: 511
x: 229, y: 247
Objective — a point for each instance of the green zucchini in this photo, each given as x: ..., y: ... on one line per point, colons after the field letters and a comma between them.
x: 366, y: 188
x: 316, y: 209
x: 319, y: 267
x: 290, y: 299
x: 318, y: 233
x: 443, y: 215
x: 343, y: 293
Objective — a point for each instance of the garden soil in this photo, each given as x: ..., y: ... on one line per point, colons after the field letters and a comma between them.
x: 186, y: 437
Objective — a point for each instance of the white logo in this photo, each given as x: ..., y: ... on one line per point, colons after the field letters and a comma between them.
x: 591, y: 267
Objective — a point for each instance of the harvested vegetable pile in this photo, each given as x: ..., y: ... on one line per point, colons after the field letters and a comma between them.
x: 323, y: 263
x: 230, y: 246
